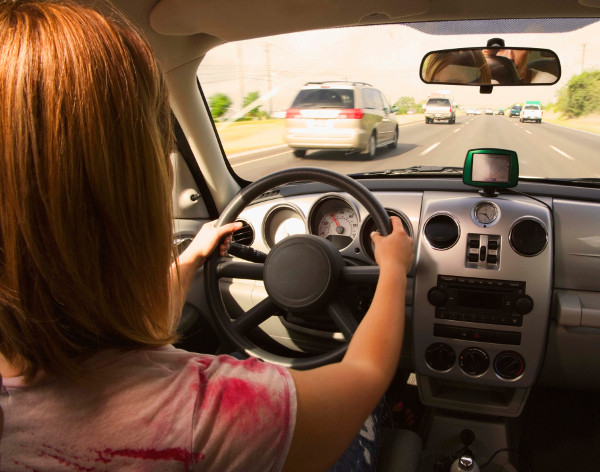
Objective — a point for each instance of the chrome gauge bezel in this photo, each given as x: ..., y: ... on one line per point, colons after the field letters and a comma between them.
x: 333, y: 196
x: 474, y: 214
x: 399, y: 214
x: 518, y: 220
x: 438, y: 213
x: 279, y: 207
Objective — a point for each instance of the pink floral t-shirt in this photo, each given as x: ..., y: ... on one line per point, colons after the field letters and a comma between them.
x: 151, y: 410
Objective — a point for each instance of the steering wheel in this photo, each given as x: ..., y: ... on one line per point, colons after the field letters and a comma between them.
x: 300, y: 273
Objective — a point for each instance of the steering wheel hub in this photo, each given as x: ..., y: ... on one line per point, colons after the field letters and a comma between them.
x: 302, y: 272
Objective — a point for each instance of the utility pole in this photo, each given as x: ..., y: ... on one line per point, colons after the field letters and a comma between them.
x: 268, y: 52
x: 241, y: 73
x: 583, y: 57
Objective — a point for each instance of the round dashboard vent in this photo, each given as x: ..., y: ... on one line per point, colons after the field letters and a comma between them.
x: 244, y: 235
x: 442, y: 231
x: 528, y: 237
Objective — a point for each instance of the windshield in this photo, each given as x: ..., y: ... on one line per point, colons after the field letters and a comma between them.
x: 351, y: 100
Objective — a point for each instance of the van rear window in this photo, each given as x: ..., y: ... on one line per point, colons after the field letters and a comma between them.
x: 324, y: 98
x: 438, y: 102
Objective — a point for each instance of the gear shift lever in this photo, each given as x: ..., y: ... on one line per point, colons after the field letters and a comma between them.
x: 466, y: 461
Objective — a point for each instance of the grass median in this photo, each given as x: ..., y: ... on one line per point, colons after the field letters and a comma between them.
x: 590, y: 123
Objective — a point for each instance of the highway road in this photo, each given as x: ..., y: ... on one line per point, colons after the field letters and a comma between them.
x: 544, y: 150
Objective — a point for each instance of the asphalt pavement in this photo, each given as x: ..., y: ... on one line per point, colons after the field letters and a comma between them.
x: 544, y: 149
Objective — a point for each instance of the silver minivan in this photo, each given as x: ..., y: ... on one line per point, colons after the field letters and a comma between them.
x: 344, y: 116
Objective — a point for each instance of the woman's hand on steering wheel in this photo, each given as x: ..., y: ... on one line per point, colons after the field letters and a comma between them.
x: 207, y: 239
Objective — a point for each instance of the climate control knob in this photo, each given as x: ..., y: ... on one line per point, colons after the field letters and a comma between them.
x: 509, y: 365
x: 474, y: 361
x: 440, y: 356
x: 436, y: 296
x: 524, y: 304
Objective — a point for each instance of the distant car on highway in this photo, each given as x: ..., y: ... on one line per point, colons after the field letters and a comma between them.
x: 489, y: 111
x: 344, y: 116
x: 470, y: 111
x: 478, y: 111
x: 531, y: 113
x: 438, y: 109
x: 500, y: 112
x: 515, y: 111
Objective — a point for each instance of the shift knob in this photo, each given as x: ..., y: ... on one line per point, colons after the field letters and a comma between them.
x: 465, y: 463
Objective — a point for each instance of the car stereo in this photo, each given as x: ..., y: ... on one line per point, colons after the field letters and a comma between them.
x: 477, y: 300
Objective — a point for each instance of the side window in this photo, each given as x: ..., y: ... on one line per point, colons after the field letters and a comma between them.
x: 377, y: 99
x: 386, y: 104
x: 368, y: 101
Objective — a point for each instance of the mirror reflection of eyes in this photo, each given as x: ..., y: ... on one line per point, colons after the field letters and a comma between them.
x: 458, y: 74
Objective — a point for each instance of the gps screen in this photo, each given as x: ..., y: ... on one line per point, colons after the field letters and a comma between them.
x: 491, y: 168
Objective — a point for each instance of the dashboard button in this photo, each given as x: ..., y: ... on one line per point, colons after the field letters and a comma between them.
x: 474, y: 243
x: 483, y: 318
x: 492, y: 245
x: 462, y: 316
x: 516, y: 321
x: 444, y: 331
x: 494, y: 319
x: 504, y: 320
x: 482, y: 253
x: 453, y: 315
x: 464, y: 333
x: 473, y: 258
x: 472, y: 317
x: 492, y: 259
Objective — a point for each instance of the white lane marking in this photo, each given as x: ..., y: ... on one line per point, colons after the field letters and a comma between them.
x: 561, y: 152
x: 429, y: 149
x: 457, y: 130
x: 528, y: 132
x: 574, y: 129
x: 245, y: 153
x: 260, y: 159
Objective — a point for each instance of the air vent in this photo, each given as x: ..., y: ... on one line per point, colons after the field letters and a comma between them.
x: 442, y: 231
x: 244, y: 235
x: 528, y: 237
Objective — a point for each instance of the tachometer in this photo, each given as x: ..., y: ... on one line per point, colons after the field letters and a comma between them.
x: 289, y: 227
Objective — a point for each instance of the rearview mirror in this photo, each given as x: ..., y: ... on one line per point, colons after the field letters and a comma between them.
x: 491, y: 66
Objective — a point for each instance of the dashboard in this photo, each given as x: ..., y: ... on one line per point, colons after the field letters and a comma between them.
x: 486, y: 307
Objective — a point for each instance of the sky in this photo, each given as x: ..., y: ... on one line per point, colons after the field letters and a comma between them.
x: 385, y: 56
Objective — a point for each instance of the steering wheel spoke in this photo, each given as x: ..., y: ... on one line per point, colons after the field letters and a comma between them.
x: 255, y: 316
x: 342, y: 317
x: 353, y: 275
x: 240, y: 270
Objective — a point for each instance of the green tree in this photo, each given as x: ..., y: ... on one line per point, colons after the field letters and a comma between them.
x: 581, y: 95
x: 219, y: 104
x: 248, y: 99
x: 404, y: 104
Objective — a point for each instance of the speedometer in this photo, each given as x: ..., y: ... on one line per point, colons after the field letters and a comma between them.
x: 334, y: 219
x: 339, y: 226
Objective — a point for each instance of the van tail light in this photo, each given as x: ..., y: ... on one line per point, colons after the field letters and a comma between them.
x: 293, y: 113
x: 351, y: 114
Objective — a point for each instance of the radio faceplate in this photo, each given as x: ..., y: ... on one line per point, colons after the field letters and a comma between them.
x: 499, y: 302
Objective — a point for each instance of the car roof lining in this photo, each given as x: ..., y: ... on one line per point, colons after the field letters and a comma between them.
x: 181, y: 31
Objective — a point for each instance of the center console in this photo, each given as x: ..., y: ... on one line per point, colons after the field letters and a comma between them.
x: 482, y: 300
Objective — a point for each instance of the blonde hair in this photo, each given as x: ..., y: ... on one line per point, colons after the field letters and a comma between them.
x: 85, y: 215
x: 438, y: 61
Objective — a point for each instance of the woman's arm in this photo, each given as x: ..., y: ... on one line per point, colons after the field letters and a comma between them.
x: 335, y: 400
x: 192, y: 259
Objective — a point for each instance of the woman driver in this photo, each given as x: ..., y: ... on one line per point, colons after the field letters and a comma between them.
x: 87, y: 315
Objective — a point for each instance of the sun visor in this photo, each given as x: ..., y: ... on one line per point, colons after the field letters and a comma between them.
x: 245, y: 19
